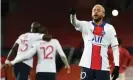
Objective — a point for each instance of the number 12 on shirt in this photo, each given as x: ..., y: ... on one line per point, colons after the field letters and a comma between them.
x: 47, y: 55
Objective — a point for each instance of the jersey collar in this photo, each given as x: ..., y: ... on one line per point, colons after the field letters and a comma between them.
x: 102, y: 25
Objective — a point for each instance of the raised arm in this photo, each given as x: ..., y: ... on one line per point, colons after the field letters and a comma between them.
x: 74, y: 21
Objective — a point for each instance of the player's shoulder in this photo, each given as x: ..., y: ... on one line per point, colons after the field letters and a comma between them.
x: 84, y: 22
x: 54, y: 40
x: 25, y: 34
x: 34, y: 35
x: 38, y: 42
x: 22, y: 35
x: 29, y: 33
x: 88, y: 22
x: 123, y: 49
x: 109, y: 26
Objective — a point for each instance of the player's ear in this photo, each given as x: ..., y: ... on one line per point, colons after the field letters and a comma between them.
x: 103, y: 15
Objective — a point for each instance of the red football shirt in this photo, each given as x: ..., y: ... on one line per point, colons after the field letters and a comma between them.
x: 124, y: 58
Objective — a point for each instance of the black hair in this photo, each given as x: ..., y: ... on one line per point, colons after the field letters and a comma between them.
x: 35, y: 27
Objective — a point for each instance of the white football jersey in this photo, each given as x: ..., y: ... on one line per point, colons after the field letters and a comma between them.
x: 96, y: 41
x: 46, y: 52
x: 25, y: 42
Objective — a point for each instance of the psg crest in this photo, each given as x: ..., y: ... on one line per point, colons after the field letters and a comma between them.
x: 103, y: 32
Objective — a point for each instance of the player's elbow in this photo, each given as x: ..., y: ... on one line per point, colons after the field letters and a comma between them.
x: 115, y: 47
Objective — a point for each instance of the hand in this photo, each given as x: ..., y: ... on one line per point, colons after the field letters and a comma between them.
x: 72, y: 11
x: 115, y: 73
x: 5, y: 66
x: 68, y: 69
x: 7, y: 61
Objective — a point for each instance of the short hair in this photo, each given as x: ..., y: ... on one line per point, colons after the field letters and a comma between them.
x: 35, y: 26
x: 101, y: 7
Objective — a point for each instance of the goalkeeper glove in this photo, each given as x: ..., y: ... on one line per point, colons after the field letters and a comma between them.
x: 115, y: 73
x: 72, y: 11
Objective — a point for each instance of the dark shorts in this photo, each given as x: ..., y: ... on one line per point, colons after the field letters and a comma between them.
x: 21, y: 71
x: 90, y: 74
x: 45, y: 76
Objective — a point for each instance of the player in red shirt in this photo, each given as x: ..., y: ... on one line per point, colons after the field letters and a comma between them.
x: 124, y: 59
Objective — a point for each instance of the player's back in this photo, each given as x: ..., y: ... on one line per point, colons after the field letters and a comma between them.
x: 46, y: 52
x: 25, y: 42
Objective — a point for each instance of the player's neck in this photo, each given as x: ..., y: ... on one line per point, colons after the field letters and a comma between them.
x: 99, y: 22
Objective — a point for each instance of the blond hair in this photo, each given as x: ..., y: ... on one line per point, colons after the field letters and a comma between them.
x: 100, y: 7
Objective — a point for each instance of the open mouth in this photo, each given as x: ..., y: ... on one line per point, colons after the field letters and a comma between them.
x: 96, y: 15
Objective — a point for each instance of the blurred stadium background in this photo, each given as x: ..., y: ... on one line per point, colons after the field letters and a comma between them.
x: 17, y: 16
